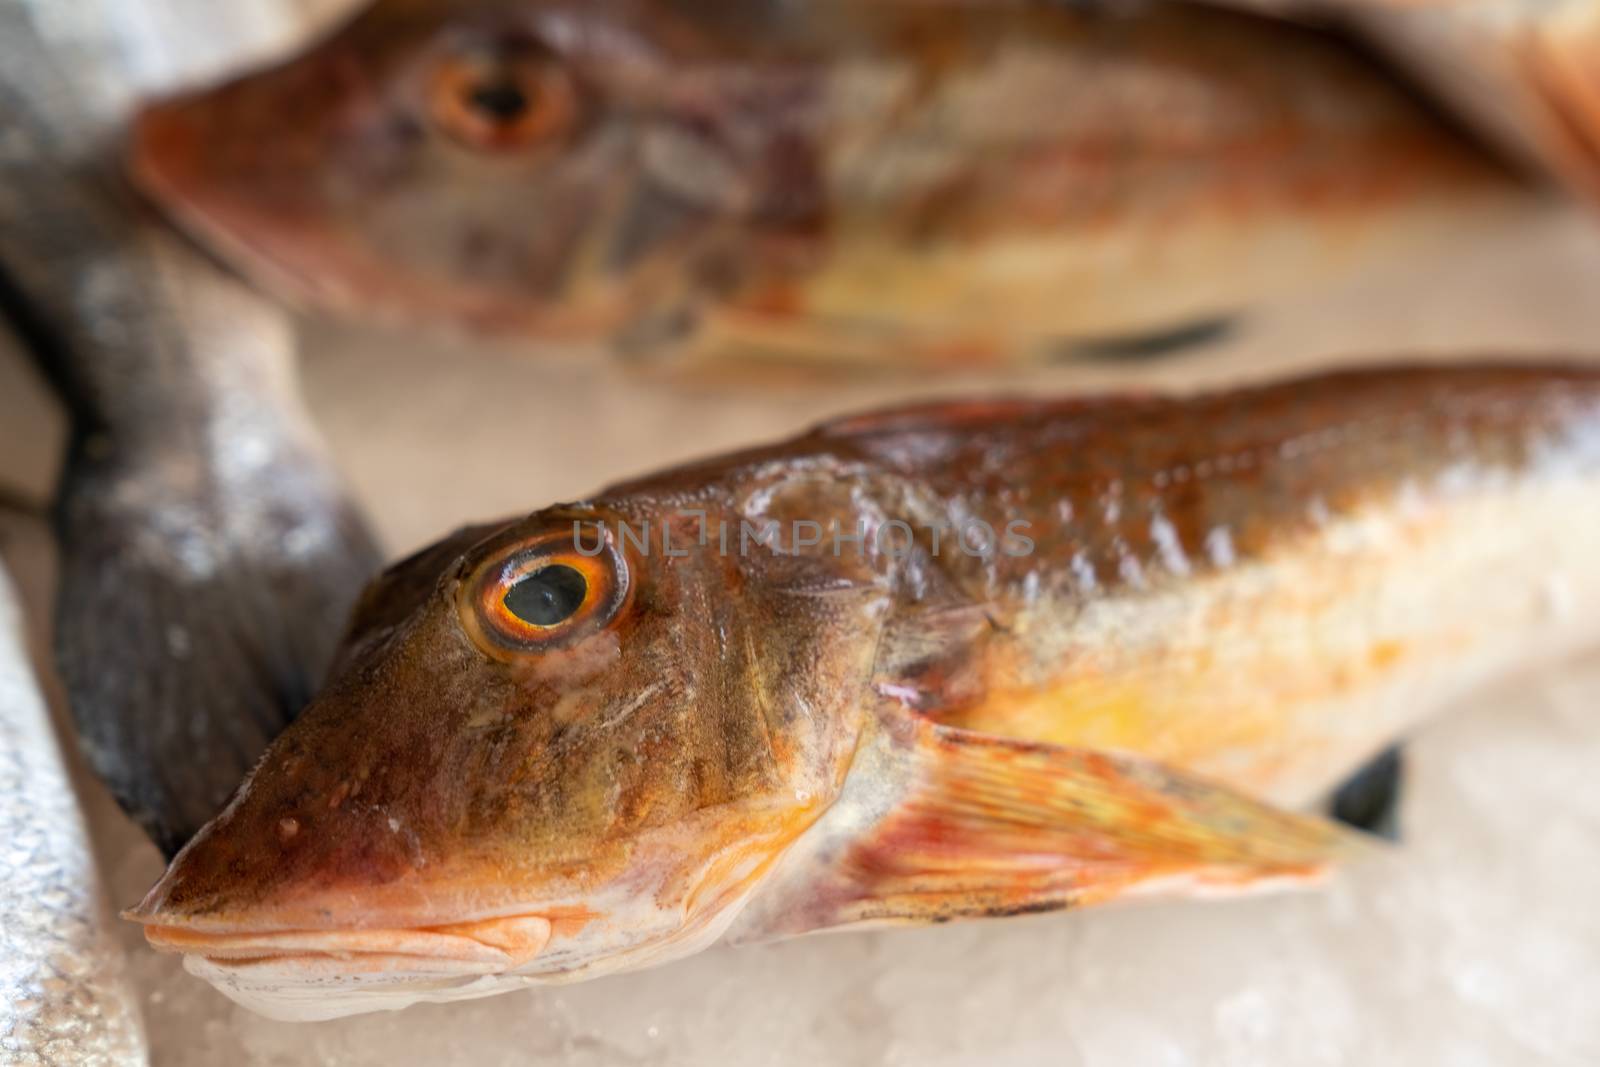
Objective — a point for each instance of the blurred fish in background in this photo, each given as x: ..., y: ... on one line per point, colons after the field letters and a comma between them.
x: 861, y: 184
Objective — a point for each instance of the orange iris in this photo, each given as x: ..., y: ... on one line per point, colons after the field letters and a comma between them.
x: 501, y: 103
x: 548, y: 592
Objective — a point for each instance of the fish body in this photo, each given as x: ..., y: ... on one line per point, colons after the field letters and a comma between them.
x: 63, y: 998
x: 208, y: 550
x: 948, y: 661
x: 1521, y: 72
x: 826, y: 181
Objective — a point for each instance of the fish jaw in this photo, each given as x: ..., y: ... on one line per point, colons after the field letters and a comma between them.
x: 287, y: 991
x: 463, y: 929
x: 304, y: 975
x: 319, y: 954
x: 310, y: 975
x: 383, y: 956
x: 494, y: 943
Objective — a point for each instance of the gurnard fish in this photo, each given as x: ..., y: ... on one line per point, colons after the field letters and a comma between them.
x: 208, y: 551
x: 63, y: 997
x: 853, y: 182
x: 957, y: 660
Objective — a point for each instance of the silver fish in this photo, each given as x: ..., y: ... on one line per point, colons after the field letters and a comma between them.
x: 63, y: 997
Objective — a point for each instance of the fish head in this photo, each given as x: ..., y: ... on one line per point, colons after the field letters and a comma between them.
x: 549, y: 750
x: 554, y: 167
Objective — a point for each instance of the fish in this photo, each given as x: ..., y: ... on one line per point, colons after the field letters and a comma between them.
x: 1520, y: 73
x: 64, y: 994
x: 963, y: 659
x: 825, y: 183
x: 208, y: 549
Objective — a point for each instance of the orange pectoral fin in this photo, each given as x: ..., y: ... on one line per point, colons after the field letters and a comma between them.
x: 990, y: 826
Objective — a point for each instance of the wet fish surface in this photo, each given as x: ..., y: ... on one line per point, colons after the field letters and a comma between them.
x: 63, y: 998
x: 854, y: 183
x: 209, y: 552
x: 948, y: 661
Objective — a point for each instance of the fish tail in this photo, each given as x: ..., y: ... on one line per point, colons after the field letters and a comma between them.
x: 208, y: 565
x: 208, y: 551
x: 187, y: 641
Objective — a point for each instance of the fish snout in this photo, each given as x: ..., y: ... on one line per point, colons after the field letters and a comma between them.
x: 198, y: 161
x: 184, y: 156
x: 484, y: 946
x: 315, y: 974
x: 165, y: 146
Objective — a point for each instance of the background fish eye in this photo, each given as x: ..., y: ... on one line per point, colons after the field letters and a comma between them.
x: 502, y: 100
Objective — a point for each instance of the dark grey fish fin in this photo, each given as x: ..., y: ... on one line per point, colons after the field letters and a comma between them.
x: 186, y: 639
x: 1370, y: 799
x: 1153, y: 344
x: 208, y: 553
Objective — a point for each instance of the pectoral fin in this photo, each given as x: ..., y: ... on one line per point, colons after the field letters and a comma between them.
x: 985, y: 826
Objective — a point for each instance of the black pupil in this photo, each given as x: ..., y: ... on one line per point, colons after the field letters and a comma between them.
x: 547, y: 596
x: 503, y: 101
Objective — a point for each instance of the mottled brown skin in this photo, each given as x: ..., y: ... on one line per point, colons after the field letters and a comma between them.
x: 470, y: 754
x: 437, y: 775
x: 836, y: 176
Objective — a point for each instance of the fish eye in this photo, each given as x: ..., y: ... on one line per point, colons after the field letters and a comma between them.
x: 548, y: 596
x: 547, y: 592
x: 500, y: 102
x: 503, y: 101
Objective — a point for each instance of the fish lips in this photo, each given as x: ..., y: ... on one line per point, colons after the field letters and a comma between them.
x: 304, y: 974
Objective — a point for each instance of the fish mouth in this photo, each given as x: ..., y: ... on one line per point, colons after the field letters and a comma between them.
x: 485, y: 946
